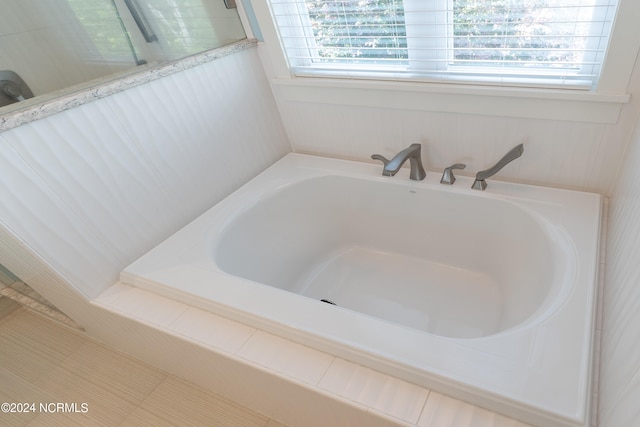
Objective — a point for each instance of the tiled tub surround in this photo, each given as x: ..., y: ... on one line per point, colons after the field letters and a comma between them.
x: 527, y: 352
x: 314, y: 388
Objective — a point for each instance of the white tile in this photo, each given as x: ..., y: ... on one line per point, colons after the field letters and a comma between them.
x: 305, y: 406
x: 443, y: 411
x: 375, y: 390
x: 211, y: 330
x: 286, y: 357
x: 112, y: 294
x: 147, y: 306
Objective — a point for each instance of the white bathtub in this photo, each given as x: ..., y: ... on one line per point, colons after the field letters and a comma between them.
x: 486, y: 296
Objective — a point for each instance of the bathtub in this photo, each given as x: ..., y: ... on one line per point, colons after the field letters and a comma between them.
x: 487, y: 296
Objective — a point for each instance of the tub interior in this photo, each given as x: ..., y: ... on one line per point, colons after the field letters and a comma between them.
x: 454, y: 265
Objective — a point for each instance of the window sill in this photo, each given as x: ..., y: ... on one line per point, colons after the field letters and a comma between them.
x: 554, y: 104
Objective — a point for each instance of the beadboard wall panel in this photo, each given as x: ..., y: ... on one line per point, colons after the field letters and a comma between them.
x: 620, y: 358
x: 558, y: 153
x: 573, y: 155
x: 92, y: 188
x: 31, y: 210
x: 232, y: 129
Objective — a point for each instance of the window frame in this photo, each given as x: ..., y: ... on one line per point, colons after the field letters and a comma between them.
x: 431, y: 52
x: 602, y: 104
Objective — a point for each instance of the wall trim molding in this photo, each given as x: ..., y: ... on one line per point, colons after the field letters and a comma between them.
x: 565, y: 105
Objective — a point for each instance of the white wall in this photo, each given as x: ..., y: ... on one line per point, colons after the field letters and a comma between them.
x: 620, y: 358
x: 93, y: 188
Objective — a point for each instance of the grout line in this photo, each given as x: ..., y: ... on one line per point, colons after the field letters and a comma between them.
x: 424, y: 406
x: 148, y: 395
x: 326, y: 371
x: 237, y: 352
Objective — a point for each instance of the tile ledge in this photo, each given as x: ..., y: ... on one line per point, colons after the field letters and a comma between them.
x: 110, y: 300
x: 56, y: 102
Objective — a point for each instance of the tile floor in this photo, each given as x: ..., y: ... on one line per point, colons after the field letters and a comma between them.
x: 42, y: 362
x: 6, y: 305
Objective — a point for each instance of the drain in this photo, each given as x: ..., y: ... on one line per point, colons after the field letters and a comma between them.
x: 328, y: 301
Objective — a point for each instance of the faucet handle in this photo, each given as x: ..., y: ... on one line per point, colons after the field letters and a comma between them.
x: 381, y: 158
x: 447, y: 176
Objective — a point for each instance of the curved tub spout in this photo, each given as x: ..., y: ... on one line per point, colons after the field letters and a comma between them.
x: 413, y: 153
x: 514, y: 153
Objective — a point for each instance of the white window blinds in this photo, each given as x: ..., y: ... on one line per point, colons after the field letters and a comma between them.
x: 506, y: 42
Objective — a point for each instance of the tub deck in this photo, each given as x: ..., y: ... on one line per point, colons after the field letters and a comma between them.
x: 537, y: 370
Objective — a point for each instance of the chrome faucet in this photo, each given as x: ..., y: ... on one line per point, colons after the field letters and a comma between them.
x: 413, y: 153
x: 514, y: 153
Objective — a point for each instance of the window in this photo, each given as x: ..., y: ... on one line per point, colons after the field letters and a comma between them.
x: 554, y: 43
